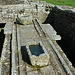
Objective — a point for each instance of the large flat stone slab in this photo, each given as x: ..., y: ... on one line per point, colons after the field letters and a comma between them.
x: 28, y: 34
x: 8, y: 28
x: 50, y: 32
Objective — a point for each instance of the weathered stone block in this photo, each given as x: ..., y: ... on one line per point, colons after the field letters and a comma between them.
x: 48, y: 70
x: 41, y: 59
x: 25, y: 20
x: 55, y: 37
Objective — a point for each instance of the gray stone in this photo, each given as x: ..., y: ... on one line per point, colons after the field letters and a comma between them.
x: 66, y: 68
x: 32, y: 73
x: 49, y: 31
x: 25, y: 20
x: 55, y: 37
x: 48, y: 70
x: 8, y: 28
x: 28, y: 68
x: 40, y: 60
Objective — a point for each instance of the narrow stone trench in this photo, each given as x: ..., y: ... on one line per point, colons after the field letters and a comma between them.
x: 2, y: 36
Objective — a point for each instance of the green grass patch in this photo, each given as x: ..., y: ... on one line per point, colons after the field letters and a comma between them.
x: 61, y: 2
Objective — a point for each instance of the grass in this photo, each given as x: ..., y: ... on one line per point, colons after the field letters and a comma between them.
x: 62, y: 2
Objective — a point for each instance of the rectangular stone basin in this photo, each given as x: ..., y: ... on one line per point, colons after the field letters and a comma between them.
x: 36, y: 49
x: 37, y: 54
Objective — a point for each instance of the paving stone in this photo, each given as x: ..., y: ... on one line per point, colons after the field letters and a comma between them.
x: 33, y: 73
x: 30, y: 68
x: 25, y: 20
x: 48, y: 70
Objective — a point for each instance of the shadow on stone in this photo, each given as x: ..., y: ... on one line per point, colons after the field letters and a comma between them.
x: 68, y: 49
x: 50, y: 18
x: 25, y: 56
x: 2, y: 25
x: 64, y: 24
x: 2, y: 36
x: 17, y: 23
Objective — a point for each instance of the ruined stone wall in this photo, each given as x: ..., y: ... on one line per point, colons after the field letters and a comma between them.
x: 7, y: 2
x: 64, y: 24
x: 9, y: 12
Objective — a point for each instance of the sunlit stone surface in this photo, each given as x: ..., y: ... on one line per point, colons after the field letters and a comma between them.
x: 37, y: 57
x: 25, y: 20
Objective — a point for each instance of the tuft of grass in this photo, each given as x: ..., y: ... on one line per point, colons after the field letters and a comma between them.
x: 62, y: 2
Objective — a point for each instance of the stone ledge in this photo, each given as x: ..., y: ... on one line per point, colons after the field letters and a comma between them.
x: 8, y: 28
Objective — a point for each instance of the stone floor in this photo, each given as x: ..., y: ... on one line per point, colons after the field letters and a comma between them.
x: 26, y: 34
x: 19, y: 60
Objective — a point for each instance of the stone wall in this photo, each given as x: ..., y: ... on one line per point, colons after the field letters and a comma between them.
x: 6, y: 2
x: 64, y: 24
x: 11, y: 11
x: 36, y: 9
